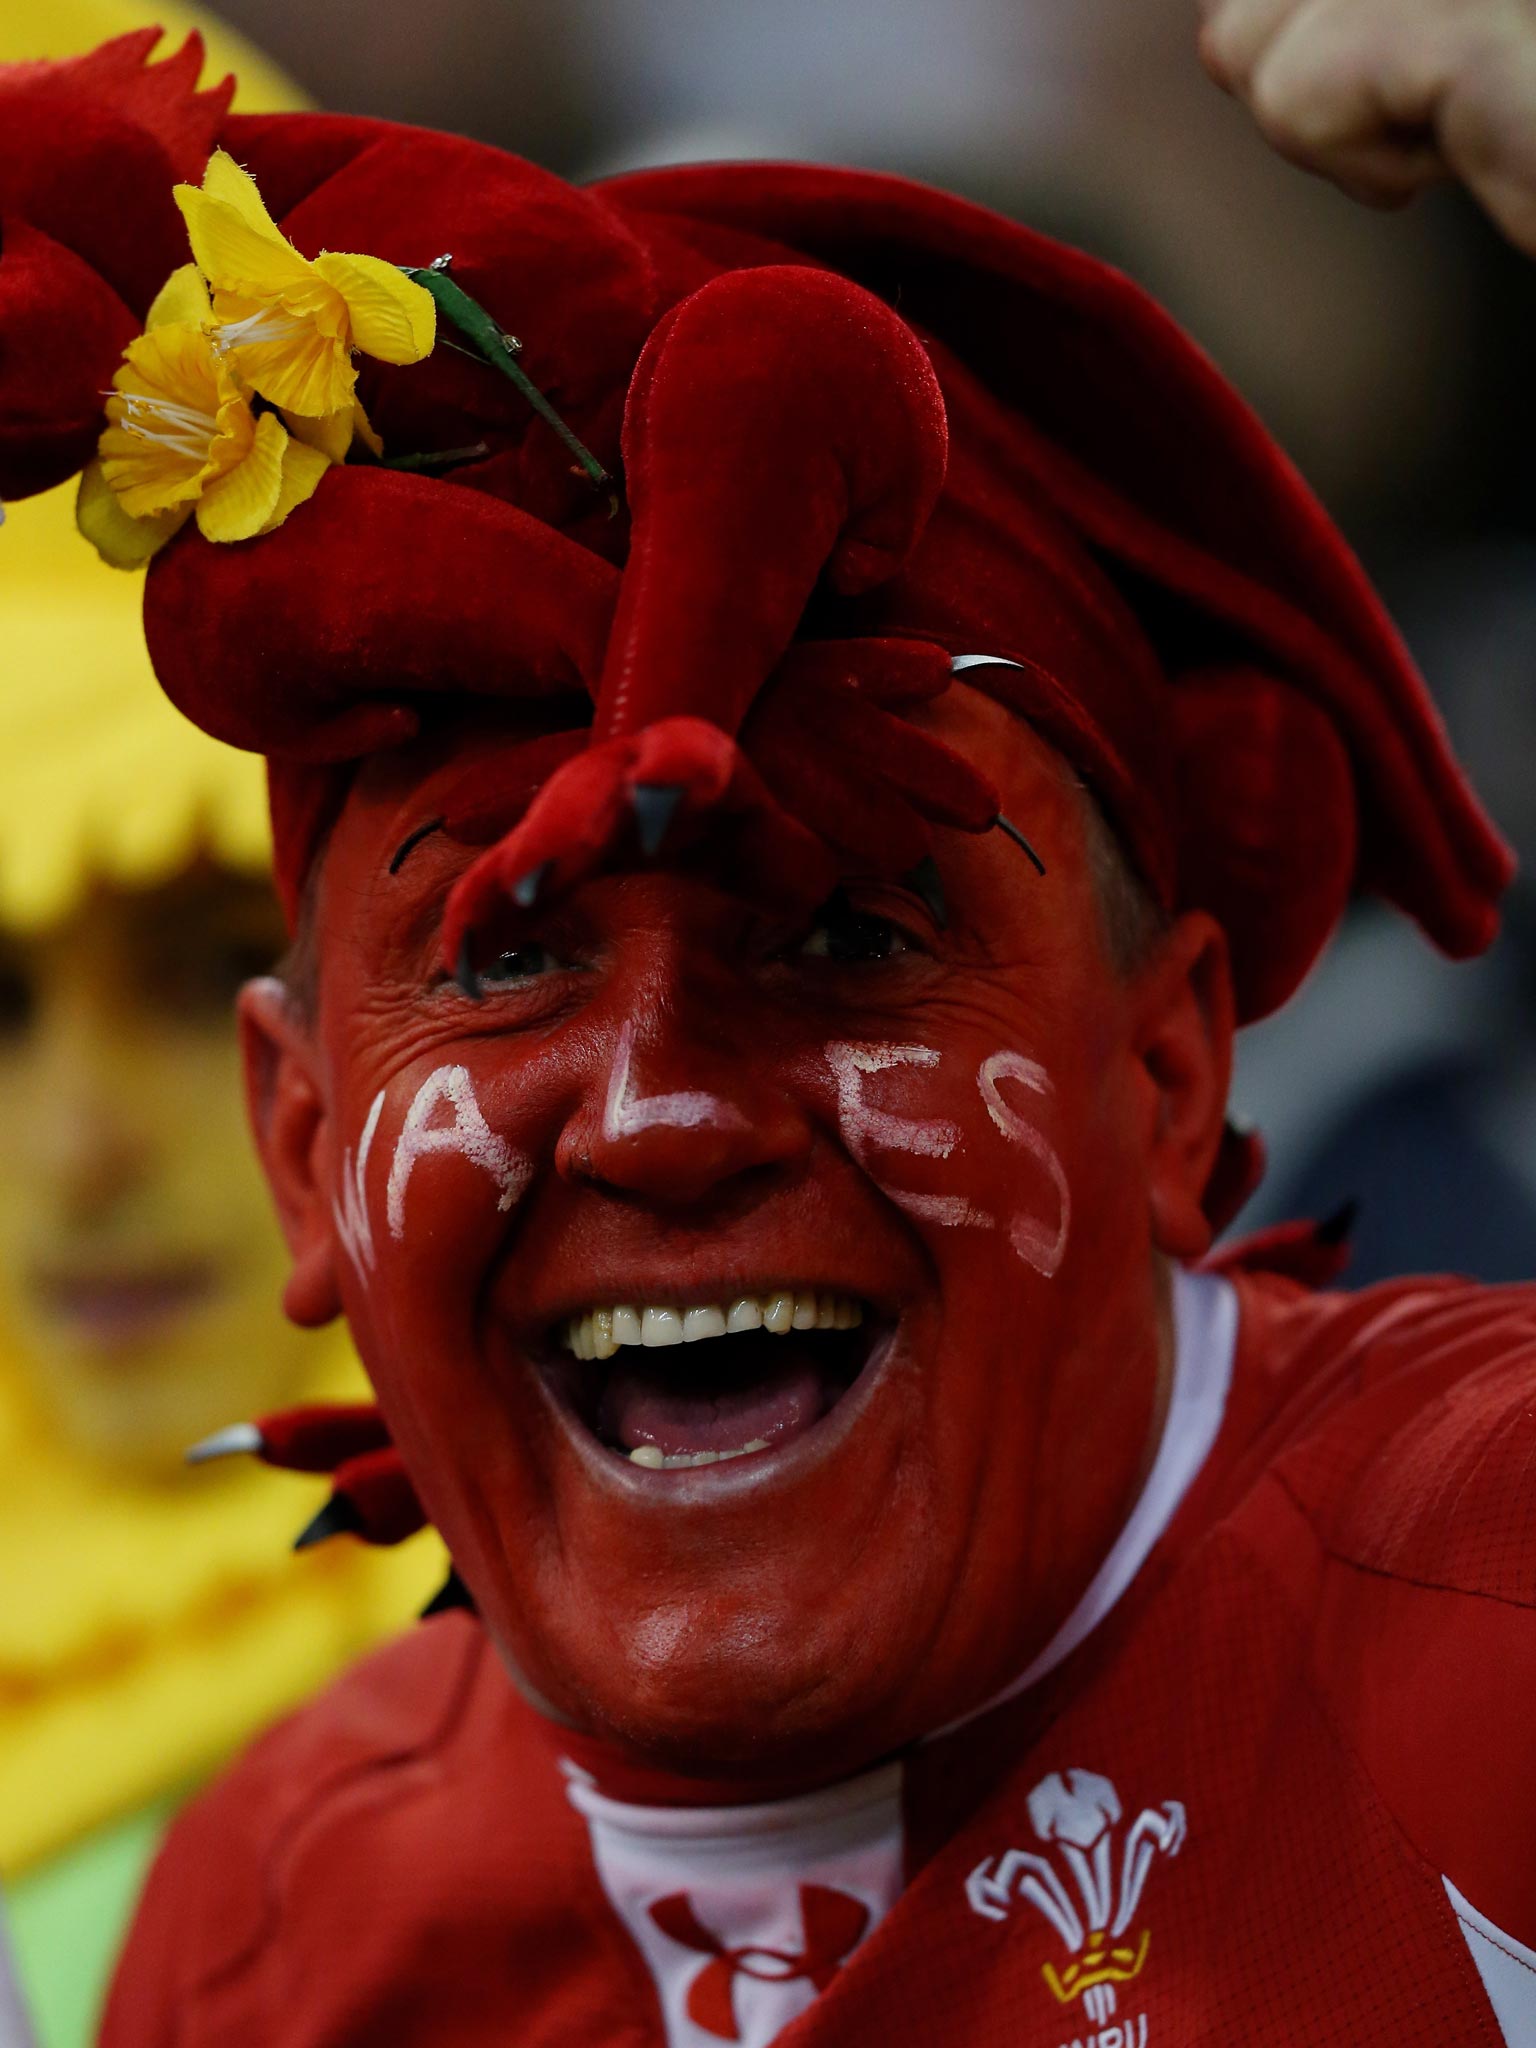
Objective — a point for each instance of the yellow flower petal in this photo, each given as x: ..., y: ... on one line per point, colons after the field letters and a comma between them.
x: 176, y: 417
x: 145, y: 480
x: 181, y: 301
x: 224, y: 179
x: 334, y: 434
x: 365, y: 431
x: 174, y: 362
x: 236, y: 254
x: 331, y: 435
x: 309, y: 298
x: 296, y: 366
x: 303, y: 467
x: 391, y: 317
x: 239, y: 503
x: 121, y: 541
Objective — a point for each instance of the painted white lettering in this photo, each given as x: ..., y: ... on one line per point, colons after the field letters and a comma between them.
x: 873, y: 1130
x: 1037, y: 1244
x: 468, y: 1134
x: 624, y: 1114
x: 866, y: 1129
x: 351, y: 1212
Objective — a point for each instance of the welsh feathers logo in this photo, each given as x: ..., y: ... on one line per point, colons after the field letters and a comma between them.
x: 1088, y: 1883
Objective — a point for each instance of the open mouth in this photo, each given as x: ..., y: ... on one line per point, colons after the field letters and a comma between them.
x: 667, y: 1386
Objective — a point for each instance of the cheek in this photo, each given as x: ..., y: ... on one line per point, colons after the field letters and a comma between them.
x: 1017, y: 1172
x: 965, y: 1138
x: 425, y: 1193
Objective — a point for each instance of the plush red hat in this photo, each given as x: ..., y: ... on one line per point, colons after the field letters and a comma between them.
x: 836, y: 438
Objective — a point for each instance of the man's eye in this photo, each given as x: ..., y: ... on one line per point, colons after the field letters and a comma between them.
x: 520, y: 963
x: 854, y: 937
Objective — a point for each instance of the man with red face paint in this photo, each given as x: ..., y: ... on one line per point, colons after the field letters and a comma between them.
x: 784, y: 779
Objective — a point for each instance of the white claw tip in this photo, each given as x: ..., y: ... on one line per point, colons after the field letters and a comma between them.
x: 238, y: 1440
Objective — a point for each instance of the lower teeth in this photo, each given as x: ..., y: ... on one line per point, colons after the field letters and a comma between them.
x: 658, y: 1460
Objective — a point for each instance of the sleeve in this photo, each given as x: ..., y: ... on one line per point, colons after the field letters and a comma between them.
x: 203, y: 1909
x: 1425, y: 1647
x: 216, y: 1947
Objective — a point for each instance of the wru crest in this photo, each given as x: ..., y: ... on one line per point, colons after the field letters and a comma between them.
x: 1088, y: 1887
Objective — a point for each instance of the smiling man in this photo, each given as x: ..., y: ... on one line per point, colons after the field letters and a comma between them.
x: 784, y: 779
x: 741, y: 1263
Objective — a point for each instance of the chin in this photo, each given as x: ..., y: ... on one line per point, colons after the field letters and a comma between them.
x: 753, y: 1702
x: 770, y: 1593
x: 771, y: 1664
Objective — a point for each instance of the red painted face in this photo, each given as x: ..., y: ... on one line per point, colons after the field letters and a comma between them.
x: 667, y: 1119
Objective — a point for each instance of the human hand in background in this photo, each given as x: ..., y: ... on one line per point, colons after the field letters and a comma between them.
x: 1387, y: 96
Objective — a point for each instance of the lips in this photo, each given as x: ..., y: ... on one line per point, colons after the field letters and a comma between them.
x: 124, y: 1305
x: 667, y: 1385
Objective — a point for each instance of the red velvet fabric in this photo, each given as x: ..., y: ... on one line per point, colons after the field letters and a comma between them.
x: 89, y: 151
x: 62, y: 331
x: 843, y: 411
x: 352, y: 1443
x: 321, y: 1436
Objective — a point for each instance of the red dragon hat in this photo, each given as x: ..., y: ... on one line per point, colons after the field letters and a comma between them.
x: 837, y: 438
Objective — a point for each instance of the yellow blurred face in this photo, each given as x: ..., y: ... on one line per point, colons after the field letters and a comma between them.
x: 139, y: 1261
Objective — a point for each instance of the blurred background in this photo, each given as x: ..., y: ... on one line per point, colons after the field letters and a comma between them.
x: 137, y: 1271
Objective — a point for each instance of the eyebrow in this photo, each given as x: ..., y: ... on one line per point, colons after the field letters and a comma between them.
x: 412, y: 840
x: 925, y: 875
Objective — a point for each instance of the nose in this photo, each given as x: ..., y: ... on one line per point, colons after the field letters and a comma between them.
x: 92, y: 1134
x: 675, y: 1120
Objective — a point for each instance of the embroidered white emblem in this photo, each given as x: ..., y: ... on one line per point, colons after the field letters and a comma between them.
x: 1077, y: 1814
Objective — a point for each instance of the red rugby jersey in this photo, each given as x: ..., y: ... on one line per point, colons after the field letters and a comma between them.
x: 1285, y: 1793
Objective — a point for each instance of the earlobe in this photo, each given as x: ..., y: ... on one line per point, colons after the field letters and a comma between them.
x: 288, y: 1119
x: 1185, y: 1049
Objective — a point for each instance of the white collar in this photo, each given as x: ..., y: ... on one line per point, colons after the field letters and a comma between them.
x: 1205, y: 1346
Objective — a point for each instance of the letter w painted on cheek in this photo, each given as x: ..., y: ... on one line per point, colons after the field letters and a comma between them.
x: 467, y: 1134
x: 866, y: 1130
x: 351, y: 1212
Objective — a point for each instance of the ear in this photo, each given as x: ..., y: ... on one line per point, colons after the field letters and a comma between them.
x: 1184, y: 1026
x: 287, y: 1110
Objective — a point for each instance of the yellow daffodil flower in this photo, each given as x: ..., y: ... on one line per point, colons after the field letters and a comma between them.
x: 184, y: 441
x: 289, y: 326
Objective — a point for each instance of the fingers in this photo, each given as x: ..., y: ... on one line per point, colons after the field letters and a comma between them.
x: 1487, y: 130
x: 1385, y: 175
x: 1234, y: 34
x: 1341, y: 89
x: 1348, y: 89
x: 1386, y: 96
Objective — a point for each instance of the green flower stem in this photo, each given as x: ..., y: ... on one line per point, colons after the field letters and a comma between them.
x: 442, y: 458
x: 500, y: 350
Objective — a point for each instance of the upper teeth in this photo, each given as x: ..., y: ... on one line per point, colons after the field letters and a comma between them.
x: 600, y: 1331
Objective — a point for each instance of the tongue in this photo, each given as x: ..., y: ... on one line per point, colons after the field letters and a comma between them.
x: 702, y: 1407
